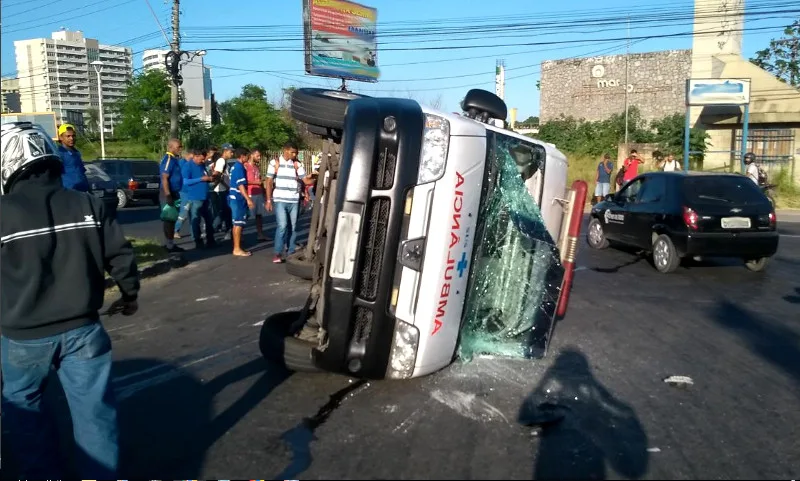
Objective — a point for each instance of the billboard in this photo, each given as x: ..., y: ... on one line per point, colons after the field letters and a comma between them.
x: 340, y: 40
x: 717, y: 91
x: 46, y: 119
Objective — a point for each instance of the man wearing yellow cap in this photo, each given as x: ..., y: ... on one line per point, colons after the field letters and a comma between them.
x: 73, y: 174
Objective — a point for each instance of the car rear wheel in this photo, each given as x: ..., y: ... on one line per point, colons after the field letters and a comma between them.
x: 122, y: 199
x: 321, y: 107
x: 756, y: 265
x: 665, y: 256
x: 278, y: 344
x: 596, y: 237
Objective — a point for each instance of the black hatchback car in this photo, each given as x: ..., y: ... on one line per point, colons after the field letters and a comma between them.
x: 136, y: 179
x: 687, y: 214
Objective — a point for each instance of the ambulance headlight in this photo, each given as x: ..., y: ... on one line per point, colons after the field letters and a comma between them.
x: 436, y: 140
x: 404, y: 351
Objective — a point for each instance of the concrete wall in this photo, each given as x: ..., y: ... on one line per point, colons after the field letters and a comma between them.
x: 594, y: 88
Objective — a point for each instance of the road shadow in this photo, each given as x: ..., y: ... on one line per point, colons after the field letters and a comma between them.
x: 166, y: 416
x: 638, y: 256
x: 129, y: 216
x: 795, y: 298
x: 582, y: 427
x: 772, y: 342
x: 250, y: 241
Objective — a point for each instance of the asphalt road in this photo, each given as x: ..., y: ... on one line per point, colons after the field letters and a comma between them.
x: 197, y: 400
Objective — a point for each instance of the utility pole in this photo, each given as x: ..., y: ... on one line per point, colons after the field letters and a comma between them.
x: 627, y: 82
x: 176, y: 47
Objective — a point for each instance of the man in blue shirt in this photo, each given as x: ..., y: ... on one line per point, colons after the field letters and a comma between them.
x: 73, y: 172
x: 239, y: 200
x: 602, y: 178
x: 169, y: 191
x: 195, y: 196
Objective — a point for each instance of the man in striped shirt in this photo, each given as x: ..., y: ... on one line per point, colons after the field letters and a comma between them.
x: 284, y: 188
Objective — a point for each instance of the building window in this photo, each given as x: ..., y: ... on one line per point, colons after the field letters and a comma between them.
x: 769, y: 145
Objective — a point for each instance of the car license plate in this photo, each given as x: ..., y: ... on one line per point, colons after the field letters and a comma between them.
x: 152, y: 186
x: 343, y: 256
x: 735, y: 222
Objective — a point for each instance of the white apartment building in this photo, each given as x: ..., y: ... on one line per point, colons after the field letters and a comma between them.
x: 56, y: 74
x: 196, y: 85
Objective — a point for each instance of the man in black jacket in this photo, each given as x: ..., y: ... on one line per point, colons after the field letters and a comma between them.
x: 55, y: 247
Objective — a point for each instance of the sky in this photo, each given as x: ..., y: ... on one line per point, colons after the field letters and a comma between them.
x: 410, y: 66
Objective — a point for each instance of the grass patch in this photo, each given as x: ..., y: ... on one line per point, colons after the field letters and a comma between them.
x: 148, y: 251
x: 787, y: 193
x: 90, y: 150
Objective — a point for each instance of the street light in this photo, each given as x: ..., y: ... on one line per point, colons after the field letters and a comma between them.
x: 98, y: 67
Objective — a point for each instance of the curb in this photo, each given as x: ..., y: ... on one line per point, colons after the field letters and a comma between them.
x: 175, y: 261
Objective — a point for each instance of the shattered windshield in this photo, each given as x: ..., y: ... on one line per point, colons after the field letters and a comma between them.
x: 517, y: 273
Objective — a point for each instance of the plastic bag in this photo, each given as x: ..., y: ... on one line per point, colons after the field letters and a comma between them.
x: 170, y: 213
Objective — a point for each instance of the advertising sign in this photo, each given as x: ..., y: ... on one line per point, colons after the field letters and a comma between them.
x: 340, y: 40
x: 47, y: 120
x: 717, y: 91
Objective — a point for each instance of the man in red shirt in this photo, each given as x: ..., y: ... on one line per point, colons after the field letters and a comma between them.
x: 631, y: 166
x: 255, y: 188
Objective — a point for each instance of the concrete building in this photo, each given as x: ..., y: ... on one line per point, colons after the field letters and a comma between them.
x: 57, y: 74
x: 594, y: 89
x: 196, y: 87
x: 774, y: 123
x: 9, y: 95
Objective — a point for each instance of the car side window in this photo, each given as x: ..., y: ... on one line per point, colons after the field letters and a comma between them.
x: 109, y: 167
x: 653, y: 190
x: 630, y: 192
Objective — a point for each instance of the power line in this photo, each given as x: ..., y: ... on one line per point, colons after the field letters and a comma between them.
x: 61, y: 20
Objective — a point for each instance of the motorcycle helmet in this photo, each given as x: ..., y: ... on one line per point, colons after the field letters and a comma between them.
x: 23, y: 145
x: 749, y: 158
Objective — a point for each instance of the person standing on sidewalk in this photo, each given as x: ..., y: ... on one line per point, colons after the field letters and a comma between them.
x: 184, y: 212
x: 55, y: 246
x: 73, y: 174
x: 255, y: 187
x: 603, y: 178
x: 169, y: 190
x: 219, y: 195
x: 284, y: 187
x: 239, y: 200
x: 195, y: 197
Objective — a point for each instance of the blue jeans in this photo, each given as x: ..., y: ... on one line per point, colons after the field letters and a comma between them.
x: 285, y: 212
x: 82, y: 359
x: 220, y: 211
x: 198, y: 210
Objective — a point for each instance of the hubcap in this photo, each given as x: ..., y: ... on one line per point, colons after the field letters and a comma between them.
x: 661, y: 253
x: 596, y: 233
x: 120, y: 198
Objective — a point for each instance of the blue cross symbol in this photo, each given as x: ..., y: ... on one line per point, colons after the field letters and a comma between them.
x: 462, y: 264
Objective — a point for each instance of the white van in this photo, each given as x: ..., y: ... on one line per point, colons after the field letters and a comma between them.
x: 395, y: 233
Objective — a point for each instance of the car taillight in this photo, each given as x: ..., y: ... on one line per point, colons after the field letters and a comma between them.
x: 133, y: 185
x: 773, y: 220
x: 690, y: 218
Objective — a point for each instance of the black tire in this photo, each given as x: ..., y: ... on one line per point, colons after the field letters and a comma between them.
x: 591, y: 235
x: 756, y: 265
x: 665, y: 256
x: 324, y: 132
x: 321, y: 107
x: 122, y: 199
x: 298, y: 266
x: 278, y: 345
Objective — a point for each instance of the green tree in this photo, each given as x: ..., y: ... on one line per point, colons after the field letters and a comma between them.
x: 145, y: 111
x: 782, y: 57
x: 669, y: 135
x: 92, y: 122
x: 250, y: 120
x: 532, y: 120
